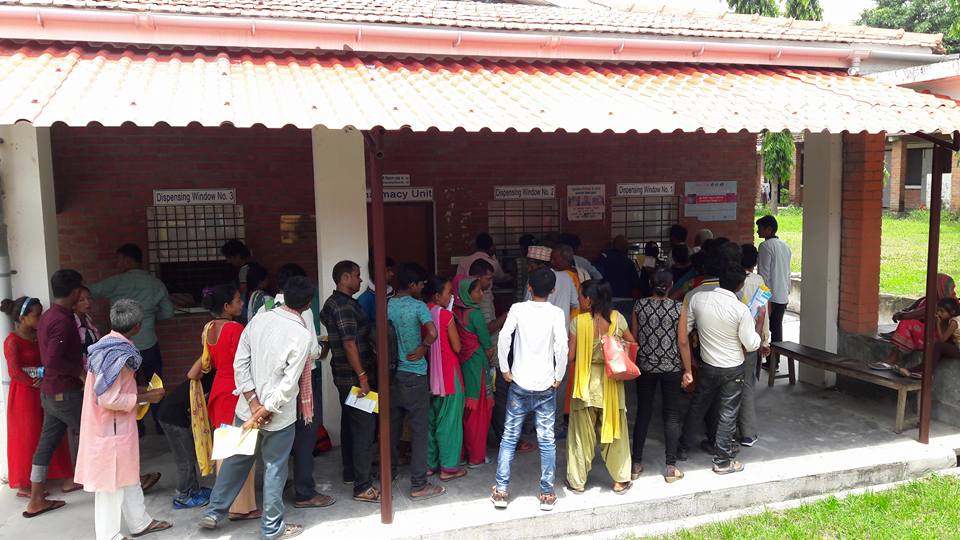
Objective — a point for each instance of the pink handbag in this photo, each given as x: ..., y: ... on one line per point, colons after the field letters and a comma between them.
x: 618, y: 357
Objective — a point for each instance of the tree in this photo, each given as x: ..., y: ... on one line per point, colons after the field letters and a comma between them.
x: 927, y: 16
x: 777, y: 150
x: 804, y: 10
x: 766, y: 8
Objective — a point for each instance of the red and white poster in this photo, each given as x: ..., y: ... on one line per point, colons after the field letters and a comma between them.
x: 710, y: 201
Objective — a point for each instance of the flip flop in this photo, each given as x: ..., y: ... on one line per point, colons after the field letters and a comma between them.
x: 254, y: 514
x: 155, y: 526
x: 460, y: 473
x: 149, y: 480
x: 566, y: 484
x: 626, y: 487
x: 54, y: 505
x: 26, y: 494
x: 434, y: 491
x: 76, y: 487
x: 320, y: 501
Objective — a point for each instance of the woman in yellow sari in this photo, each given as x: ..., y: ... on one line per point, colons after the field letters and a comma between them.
x: 598, y: 401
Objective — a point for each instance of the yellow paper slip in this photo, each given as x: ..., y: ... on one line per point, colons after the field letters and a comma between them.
x: 155, y: 382
x: 231, y: 441
x: 369, y: 403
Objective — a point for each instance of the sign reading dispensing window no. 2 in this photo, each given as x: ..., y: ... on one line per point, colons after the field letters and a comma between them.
x: 710, y: 201
x: 586, y: 203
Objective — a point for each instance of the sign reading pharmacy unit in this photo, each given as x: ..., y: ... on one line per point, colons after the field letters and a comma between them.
x: 182, y: 197
x: 586, y: 203
x: 415, y: 194
x: 659, y: 189
x: 710, y: 201
x: 512, y: 193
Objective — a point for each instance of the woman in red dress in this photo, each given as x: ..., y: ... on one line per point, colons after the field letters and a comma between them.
x: 24, y: 414
x: 223, y: 337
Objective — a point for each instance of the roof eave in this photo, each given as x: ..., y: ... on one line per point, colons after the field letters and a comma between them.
x: 111, y: 26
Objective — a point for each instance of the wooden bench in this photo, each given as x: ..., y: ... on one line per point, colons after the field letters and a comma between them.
x: 848, y: 367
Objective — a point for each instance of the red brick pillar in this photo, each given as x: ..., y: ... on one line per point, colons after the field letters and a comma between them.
x: 898, y: 175
x: 862, y: 211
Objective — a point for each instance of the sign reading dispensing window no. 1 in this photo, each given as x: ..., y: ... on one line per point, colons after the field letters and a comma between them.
x: 180, y: 197
x: 710, y: 201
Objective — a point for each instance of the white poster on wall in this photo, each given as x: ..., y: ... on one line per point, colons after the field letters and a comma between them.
x: 657, y: 189
x: 586, y: 203
x: 710, y: 201
x: 396, y: 180
x: 507, y: 193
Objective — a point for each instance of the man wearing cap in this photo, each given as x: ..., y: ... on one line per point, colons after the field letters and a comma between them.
x: 566, y: 297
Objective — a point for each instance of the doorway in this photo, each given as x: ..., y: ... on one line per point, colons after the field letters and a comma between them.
x: 409, y: 229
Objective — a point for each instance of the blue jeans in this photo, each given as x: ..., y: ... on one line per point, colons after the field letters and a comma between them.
x: 520, y: 402
x: 274, y: 447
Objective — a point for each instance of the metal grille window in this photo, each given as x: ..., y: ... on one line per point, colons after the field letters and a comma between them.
x: 507, y: 221
x: 183, y: 244
x: 642, y: 219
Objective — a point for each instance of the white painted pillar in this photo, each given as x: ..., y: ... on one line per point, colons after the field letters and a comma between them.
x: 340, y: 191
x: 820, y: 265
x: 29, y: 231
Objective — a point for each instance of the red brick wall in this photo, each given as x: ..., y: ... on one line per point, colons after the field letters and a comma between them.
x: 105, y: 177
x: 104, y: 181
x: 464, y: 168
x: 862, y: 211
x: 911, y: 199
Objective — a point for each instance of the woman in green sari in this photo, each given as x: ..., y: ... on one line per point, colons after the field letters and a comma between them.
x: 476, y: 350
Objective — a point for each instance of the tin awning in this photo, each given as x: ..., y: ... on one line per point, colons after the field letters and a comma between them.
x: 83, y: 85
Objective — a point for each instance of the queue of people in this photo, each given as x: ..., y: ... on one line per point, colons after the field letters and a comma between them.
x: 458, y: 372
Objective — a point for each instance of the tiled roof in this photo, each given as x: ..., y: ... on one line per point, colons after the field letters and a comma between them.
x: 79, y: 86
x: 514, y: 17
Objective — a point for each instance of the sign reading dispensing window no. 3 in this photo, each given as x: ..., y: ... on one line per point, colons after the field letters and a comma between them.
x: 181, y: 197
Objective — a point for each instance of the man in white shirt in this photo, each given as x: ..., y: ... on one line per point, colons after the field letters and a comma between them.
x: 725, y: 328
x: 273, y: 351
x: 773, y: 265
x: 539, y: 364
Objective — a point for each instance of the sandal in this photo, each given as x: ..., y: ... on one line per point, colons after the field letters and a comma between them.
x: 672, y: 474
x: 620, y: 488
x: 636, y: 471
x: 427, y: 492
x: 371, y: 495
x: 459, y: 473
x: 54, y: 505
x: 155, y: 526
x: 147, y: 481
x: 566, y: 484
x: 733, y: 466
x: 318, y: 501
x: 253, y: 514
x: 76, y: 487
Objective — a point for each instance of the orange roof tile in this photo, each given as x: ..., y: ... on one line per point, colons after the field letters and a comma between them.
x: 514, y: 17
x: 79, y: 86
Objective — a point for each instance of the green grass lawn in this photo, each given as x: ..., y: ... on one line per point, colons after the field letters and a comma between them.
x: 903, y: 254
x: 921, y: 509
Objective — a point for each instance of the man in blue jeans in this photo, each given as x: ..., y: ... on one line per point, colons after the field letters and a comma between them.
x: 273, y: 350
x: 539, y: 362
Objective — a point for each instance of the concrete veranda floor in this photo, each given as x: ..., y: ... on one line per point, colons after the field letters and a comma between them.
x: 812, y: 441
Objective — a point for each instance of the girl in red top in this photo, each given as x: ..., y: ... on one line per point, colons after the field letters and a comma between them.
x: 223, y: 337
x: 24, y: 414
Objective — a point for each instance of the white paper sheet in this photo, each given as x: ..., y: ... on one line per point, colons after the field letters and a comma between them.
x: 231, y: 440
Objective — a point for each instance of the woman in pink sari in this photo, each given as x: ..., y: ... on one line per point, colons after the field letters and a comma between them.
x: 911, y: 326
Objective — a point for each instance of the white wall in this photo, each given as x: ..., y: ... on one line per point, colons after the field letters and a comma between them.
x: 339, y: 185
x: 29, y: 231
x: 820, y: 268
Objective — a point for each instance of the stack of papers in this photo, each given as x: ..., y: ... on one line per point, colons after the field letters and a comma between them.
x: 231, y: 441
x: 369, y: 403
